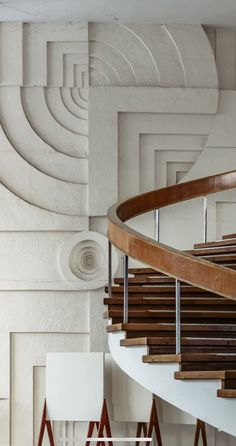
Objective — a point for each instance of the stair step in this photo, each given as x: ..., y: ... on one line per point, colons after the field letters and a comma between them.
x: 220, y: 258
x: 144, y: 271
x: 166, y: 345
x: 113, y: 328
x: 172, y: 341
x: 195, y: 358
x: 209, y: 357
x: 165, y: 315
x: 227, y: 236
x: 227, y: 242
x: 226, y: 393
x: 213, y: 251
x: 146, y: 279
x: 185, y: 289
x: 225, y: 329
x: 230, y: 266
x: 205, y: 374
x: 150, y: 359
x: 168, y: 302
x: 208, y: 361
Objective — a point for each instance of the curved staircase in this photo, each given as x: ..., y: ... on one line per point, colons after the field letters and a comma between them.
x: 172, y: 325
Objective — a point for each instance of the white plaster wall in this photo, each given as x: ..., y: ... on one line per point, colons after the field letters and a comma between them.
x: 67, y: 152
x: 44, y: 197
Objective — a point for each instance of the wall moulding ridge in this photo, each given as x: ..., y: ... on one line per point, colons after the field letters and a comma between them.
x: 105, y: 105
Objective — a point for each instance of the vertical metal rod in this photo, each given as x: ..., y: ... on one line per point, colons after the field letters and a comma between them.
x: 126, y: 295
x: 109, y: 268
x: 157, y: 224
x: 205, y: 220
x: 177, y: 317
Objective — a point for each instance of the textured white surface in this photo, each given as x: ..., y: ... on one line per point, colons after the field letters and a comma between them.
x: 44, y: 254
x: 161, y: 55
x: 165, y: 11
x: 161, y: 133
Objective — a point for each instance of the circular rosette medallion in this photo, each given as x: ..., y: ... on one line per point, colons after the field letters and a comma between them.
x: 84, y: 260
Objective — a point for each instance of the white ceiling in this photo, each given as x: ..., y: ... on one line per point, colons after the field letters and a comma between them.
x: 208, y: 12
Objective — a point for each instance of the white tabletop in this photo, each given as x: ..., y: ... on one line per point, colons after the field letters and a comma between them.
x: 105, y: 439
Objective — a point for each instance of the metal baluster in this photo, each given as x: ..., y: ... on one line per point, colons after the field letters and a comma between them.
x: 157, y: 224
x: 205, y: 220
x: 109, y: 268
x: 126, y: 295
x: 177, y: 317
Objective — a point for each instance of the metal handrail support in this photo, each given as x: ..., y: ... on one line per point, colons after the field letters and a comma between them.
x: 178, y: 317
x: 157, y: 224
x: 109, y: 268
x: 126, y: 285
x: 205, y: 220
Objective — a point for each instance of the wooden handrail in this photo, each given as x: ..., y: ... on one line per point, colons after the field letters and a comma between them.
x: 170, y: 261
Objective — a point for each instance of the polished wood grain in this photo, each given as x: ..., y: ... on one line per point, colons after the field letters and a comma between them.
x: 171, y: 341
x: 160, y: 257
x: 205, y: 374
x: 226, y: 393
x: 215, y: 244
x: 229, y: 236
x: 150, y: 359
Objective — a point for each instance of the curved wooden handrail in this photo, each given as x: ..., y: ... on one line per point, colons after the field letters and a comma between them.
x: 170, y: 261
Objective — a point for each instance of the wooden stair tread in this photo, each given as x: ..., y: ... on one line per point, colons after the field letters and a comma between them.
x: 226, y: 242
x: 194, y: 357
x: 161, y: 358
x: 172, y: 341
x: 113, y: 328
x: 230, y: 265
x: 227, y: 236
x: 149, y: 300
x: 205, y: 314
x: 219, y: 258
x: 205, y: 374
x: 132, y: 326
x: 143, y: 271
x: 158, y: 289
x: 226, y: 393
x: 209, y: 357
x: 146, y: 279
x: 213, y: 251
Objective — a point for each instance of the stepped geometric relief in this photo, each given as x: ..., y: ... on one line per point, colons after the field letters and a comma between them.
x: 176, y: 171
x: 37, y: 188
x: 78, y: 106
x: 150, y: 55
x: 44, y: 118
x: 119, y: 116
x: 160, y: 158
x: 46, y: 51
x: 53, y: 126
x: 33, y: 148
x: 165, y: 159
